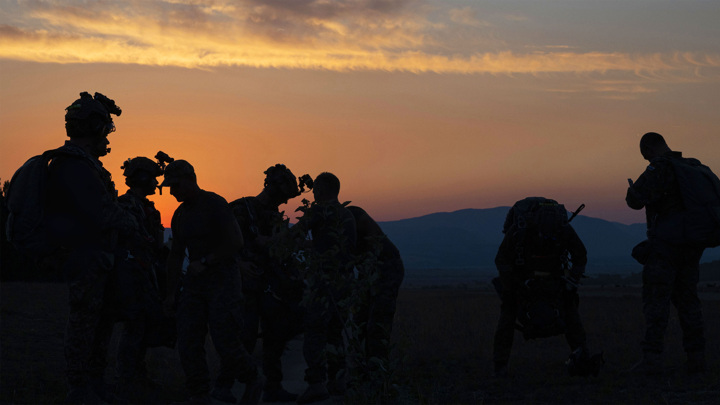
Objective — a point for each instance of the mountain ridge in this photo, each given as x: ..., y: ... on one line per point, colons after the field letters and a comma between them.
x: 469, y: 238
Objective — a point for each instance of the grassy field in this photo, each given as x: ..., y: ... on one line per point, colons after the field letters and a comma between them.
x: 443, y: 336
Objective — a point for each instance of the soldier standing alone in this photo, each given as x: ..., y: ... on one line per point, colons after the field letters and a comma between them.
x: 670, y: 266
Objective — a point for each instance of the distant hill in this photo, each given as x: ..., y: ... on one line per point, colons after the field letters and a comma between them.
x: 469, y: 238
x: 460, y: 246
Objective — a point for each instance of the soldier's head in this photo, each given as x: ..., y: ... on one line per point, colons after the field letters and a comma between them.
x: 326, y: 187
x: 141, y: 175
x: 653, y: 145
x: 180, y: 177
x: 280, y: 184
x: 88, y: 122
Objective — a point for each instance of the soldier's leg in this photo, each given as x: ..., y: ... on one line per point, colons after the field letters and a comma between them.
x: 131, y: 350
x: 249, y: 330
x: 686, y: 300
x: 505, y: 331
x: 99, y: 353
x: 226, y: 329
x: 575, y: 332
x: 380, y: 323
x: 336, y: 359
x: 315, y: 340
x: 192, y: 324
x: 275, y: 335
x: 658, y: 277
x: 87, y: 272
x: 252, y: 304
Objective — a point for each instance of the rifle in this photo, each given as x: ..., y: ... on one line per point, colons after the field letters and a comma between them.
x: 577, y: 211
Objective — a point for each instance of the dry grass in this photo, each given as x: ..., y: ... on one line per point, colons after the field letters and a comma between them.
x: 445, y: 337
x: 447, y: 340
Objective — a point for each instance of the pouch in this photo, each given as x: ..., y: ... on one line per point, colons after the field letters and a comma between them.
x: 641, y: 252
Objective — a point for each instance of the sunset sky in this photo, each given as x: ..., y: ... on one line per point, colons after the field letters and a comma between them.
x: 418, y: 106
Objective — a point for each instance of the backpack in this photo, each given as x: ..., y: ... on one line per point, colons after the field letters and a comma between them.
x: 698, y: 224
x: 26, y: 226
x: 535, y: 225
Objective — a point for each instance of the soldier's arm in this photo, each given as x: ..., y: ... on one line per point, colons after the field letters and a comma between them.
x: 651, y: 186
x: 175, y: 261
x: 230, y: 239
x: 578, y: 252
x: 504, y: 262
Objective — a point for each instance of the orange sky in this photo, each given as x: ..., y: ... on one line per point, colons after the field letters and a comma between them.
x: 417, y: 106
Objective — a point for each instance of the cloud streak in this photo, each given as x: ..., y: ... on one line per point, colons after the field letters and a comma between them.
x: 341, y: 35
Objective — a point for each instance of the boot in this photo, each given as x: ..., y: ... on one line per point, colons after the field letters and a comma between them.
x: 650, y: 365
x: 314, y: 393
x: 102, y: 390
x: 223, y: 394
x: 274, y: 392
x: 500, y: 369
x: 696, y: 362
x: 83, y: 394
x: 253, y: 391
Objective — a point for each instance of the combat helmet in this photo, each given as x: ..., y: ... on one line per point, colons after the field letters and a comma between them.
x: 90, y: 116
x: 141, y: 163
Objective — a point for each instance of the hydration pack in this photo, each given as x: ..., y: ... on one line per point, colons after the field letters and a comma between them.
x: 698, y: 223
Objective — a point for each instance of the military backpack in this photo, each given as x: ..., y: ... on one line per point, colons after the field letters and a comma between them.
x: 698, y: 223
x: 26, y: 226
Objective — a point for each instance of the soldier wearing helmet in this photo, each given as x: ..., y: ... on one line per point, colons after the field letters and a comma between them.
x: 272, y: 289
x: 140, y: 279
x: 84, y: 215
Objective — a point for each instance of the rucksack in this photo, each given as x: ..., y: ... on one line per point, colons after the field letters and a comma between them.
x: 26, y: 226
x: 535, y: 225
x: 698, y: 223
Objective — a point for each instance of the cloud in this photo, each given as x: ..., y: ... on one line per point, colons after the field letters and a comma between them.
x: 466, y: 16
x: 339, y: 35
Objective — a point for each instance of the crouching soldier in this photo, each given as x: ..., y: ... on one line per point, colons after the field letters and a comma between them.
x: 537, y: 282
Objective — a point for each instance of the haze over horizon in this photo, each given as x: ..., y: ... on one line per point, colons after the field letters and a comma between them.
x: 419, y: 106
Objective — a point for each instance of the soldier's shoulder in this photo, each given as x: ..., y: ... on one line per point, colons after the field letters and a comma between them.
x: 214, y: 199
x: 242, y: 201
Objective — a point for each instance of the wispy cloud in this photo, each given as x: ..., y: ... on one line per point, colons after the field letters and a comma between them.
x: 341, y: 35
x: 466, y: 16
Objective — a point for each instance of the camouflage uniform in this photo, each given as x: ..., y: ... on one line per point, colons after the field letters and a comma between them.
x: 512, y: 279
x: 670, y: 272
x: 140, y: 279
x: 212, y: 300
x: 385, y: 267
x: 272, y: 296
x: 331, y: 260
x: 83, y: 213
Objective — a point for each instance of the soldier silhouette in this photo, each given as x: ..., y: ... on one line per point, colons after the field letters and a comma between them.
x: 211, y: 296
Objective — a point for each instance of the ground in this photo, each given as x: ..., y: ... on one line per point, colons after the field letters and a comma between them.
x: 442, y: 345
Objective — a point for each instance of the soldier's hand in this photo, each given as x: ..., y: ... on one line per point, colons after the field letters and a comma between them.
x: 195, y: 268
